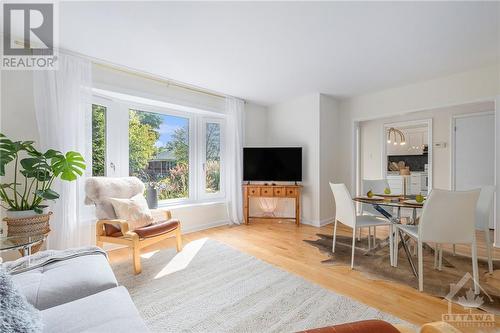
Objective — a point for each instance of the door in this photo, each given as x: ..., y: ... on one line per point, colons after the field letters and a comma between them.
x: 474, y: 162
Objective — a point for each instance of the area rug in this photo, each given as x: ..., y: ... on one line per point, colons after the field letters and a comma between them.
x: 376, y: 265
x: 211, y: 287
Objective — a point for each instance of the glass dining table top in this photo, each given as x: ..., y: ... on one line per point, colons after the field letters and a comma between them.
x: 390, y: 201
x: 18, y: 242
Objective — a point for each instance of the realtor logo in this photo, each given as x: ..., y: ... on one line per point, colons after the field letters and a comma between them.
x: 29, y: 36
x: 469, y: 302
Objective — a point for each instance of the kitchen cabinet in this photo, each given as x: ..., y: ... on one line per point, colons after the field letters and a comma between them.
x: 414, y: 184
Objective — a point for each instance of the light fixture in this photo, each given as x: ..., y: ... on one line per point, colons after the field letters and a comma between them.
x: 397, y: 134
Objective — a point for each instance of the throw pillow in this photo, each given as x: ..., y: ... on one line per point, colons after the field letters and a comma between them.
x: 17, y: 315
x: 134, y: 210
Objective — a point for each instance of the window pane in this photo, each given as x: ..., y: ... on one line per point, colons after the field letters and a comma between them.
x: 98, y: 140
x: 159, y: 152
x: 212, y: 163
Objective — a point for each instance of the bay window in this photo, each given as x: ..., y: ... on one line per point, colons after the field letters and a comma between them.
x: 180, y: 153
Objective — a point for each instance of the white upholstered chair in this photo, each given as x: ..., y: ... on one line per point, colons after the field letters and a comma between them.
x: 345, y: 213
x: 448, y: 217
x: 376, y: 186
x: 484, y: 209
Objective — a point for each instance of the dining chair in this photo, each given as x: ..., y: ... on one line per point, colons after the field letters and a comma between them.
x: 484, y: 209
x: 376, y: 186
x: 448, y: 217
x: 345, y: 213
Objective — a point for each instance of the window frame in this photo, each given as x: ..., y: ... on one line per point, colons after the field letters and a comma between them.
x: 118, y: 110
x: 202, y: 127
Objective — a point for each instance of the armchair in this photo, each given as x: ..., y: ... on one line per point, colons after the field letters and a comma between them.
x: 110, y: 229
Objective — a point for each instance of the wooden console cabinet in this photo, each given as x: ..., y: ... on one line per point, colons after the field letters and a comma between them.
x: 267, y: 191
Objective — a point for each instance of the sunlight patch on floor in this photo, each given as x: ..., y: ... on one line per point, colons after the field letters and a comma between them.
x: 183, y: 258
x: 149, y: 255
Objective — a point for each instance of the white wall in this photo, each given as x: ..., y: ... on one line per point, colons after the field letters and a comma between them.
x: 372, y: 133
x: 17, y: 120
x: 329, y: 117
x: 296, y: 123
x: 256, y: 128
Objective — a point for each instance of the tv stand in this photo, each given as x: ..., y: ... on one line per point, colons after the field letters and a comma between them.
x: 270, y: 191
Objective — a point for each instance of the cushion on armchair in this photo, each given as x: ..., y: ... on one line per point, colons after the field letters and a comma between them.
x: 151, y: 230
x: 134, y: 210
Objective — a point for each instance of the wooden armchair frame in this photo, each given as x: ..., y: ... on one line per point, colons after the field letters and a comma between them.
x: 132, y: 240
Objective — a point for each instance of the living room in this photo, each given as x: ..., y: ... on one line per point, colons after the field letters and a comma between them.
x: 249, y: 166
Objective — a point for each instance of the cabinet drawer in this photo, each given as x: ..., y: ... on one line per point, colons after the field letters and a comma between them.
x: 291, y: 192
x: 254, y: 191
x: 279, y: 192
x: 266, y: 191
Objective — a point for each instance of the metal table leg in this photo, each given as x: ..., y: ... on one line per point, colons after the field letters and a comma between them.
x: 401, y: 235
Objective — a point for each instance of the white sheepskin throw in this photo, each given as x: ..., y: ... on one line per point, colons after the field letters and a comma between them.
x: 98, y: 190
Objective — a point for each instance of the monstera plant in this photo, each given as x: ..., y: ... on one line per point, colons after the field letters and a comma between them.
x: 34, y: 173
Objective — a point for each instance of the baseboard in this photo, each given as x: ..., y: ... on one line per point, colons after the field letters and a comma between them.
x: 187, y: 230
x: 318, y: 223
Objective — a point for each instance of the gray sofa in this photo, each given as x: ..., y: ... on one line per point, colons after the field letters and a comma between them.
x: 80, y: 295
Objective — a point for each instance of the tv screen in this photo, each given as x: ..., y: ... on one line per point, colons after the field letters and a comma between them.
x: 272, y: 164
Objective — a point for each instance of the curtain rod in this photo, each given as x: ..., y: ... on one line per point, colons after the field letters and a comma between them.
x: 145, y: 75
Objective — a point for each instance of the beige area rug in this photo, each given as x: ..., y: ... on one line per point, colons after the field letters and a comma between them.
x: 211, y: 287
x: 376, y: 265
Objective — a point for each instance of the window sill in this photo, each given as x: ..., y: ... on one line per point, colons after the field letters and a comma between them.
x: 177, y: 205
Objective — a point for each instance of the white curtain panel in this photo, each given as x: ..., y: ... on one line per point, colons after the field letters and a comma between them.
x: 234, y: 158
x: 63, y: 100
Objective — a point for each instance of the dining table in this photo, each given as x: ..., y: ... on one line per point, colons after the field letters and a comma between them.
x: 381, y: 203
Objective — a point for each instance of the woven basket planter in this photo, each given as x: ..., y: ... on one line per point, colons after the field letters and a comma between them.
x: 26, y: 226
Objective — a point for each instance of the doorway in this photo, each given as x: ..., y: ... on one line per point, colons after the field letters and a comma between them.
x: 473, y: 162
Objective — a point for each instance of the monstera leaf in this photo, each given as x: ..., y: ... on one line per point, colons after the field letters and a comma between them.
x: 68, y: 166
x: 48, y: 194
x: 9, y: 150
x: 7, y: 153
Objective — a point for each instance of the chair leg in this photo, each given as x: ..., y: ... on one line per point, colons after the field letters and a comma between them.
x: 353, y: 246
x: 454, y: 250
x: 137, y: 259
x: 475, y: 272
x: 178, y: 239
x: 391, y: 245
x: 396, y: 246
x: 488, y: 250
x: 369, y: 238
x: 335, y: 235
x: 359, y: 234
x: 374, y: 237
x: 420, y: 267
x: 440, y: 266
x: 436, y: 251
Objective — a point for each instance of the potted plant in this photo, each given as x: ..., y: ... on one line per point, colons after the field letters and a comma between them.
x: 33, y: 175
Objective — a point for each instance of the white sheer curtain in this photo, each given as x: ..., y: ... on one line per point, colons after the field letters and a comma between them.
x: 234, y: 158
x: 63, y: 100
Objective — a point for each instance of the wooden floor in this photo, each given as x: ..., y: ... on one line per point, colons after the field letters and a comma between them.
x: 281, y: 243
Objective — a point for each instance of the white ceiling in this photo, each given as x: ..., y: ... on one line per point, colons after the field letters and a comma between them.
x: 268, y: 52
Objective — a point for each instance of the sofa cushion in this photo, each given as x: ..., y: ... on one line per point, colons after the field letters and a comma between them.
x: 111, y: 310
x: 16, y: 314
x: 67, y: 280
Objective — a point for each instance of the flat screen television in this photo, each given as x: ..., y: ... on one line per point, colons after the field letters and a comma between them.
x: 272, y: 164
